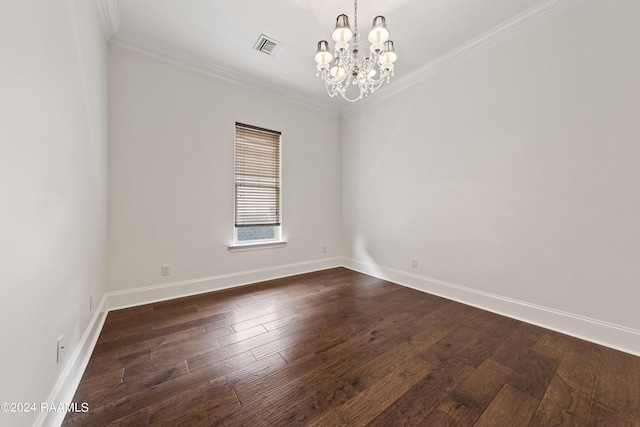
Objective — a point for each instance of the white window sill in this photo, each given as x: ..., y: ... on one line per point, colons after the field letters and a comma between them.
x: 254, y: 246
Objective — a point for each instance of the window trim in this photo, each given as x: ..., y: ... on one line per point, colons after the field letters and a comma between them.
x: 256, y: 245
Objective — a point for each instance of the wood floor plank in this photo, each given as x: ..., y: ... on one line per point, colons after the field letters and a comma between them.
x: 185, y: 321
x: 203, y: 359
x: 579, y: 366
x: 482, y: 384
x: 98, y: 387
x: 138, y: 419
x: 203, y: 405
x: 414, y: 406
x: 293, y: 317
x: 482, y: 345
x: 151, y: 344
x: 100, y: 363
x: 263, y: 319
x: 367, y: 404
x: 153, y: 373
x: 314, y: 407
x: 402, y: 329
x: 340, y: 348
x: 371, y: 372
x: 241, y: 335
x: 317, y: 343
x: 449, y: 345
x: 254, y: 388
x: 533, y: 374
x: 562, y: 405
x: 511, y: 407
x: 568, y: 397
x: 450, y: 314
x: 332, y: 419
x: 465, y: 403
x: 553, y: 344
x: 311, y: 337
x: 602, y: 415
x: 487, y: 320
x: 176, y: 352
x: 514, y: 348
x: 241, y: 368
x: 318, y: 387
x: 618, y: 383
x: 347, y: 356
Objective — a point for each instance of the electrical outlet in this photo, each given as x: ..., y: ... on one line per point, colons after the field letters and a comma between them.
x: 166, y: 270
x: 414, y: 263
x: 59, y: 348
x: 324, y: 249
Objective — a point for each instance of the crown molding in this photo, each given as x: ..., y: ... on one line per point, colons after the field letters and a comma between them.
x: 195, y: 63
x: 509, y: 29
x: 496, y: 36
x: 109, y: 16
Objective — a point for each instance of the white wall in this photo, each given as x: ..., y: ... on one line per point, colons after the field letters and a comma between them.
x: 53, y: 134
x: 515, y: 174
x: 171, y: 151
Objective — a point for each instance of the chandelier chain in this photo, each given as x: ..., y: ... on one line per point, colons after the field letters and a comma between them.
x: 355, y: 14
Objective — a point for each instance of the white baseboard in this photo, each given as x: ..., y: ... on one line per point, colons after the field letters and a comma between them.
x: 596, y: 331
x: 69, y: 380
x: 151, y: 294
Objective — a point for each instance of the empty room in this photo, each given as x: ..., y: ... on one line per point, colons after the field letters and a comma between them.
x: 323, y: 213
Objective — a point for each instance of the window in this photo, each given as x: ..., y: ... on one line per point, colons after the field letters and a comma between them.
x: 257, y: 185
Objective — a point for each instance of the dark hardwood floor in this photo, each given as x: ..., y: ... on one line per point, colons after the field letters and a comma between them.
x: 336, y: 348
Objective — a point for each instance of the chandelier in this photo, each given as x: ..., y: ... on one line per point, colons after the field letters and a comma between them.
x: 349, y: 65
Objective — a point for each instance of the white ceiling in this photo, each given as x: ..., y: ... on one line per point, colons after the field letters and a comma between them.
x: 222, y: 33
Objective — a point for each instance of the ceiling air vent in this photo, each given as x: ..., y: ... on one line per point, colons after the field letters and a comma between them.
x: 268, y: 45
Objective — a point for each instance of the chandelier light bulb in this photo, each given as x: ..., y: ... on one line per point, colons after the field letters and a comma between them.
x: 337, y: 71
x: 379, y: 32
x: 342, y: 33
x: 389, y: 55
x: 323, y: 55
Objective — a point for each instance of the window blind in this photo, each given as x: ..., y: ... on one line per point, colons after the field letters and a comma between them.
x: 257, y: 176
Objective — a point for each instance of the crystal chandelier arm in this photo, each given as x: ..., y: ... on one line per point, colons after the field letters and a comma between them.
x: 335, y: 81
x: 377, y: 82
x: 383, y: 75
